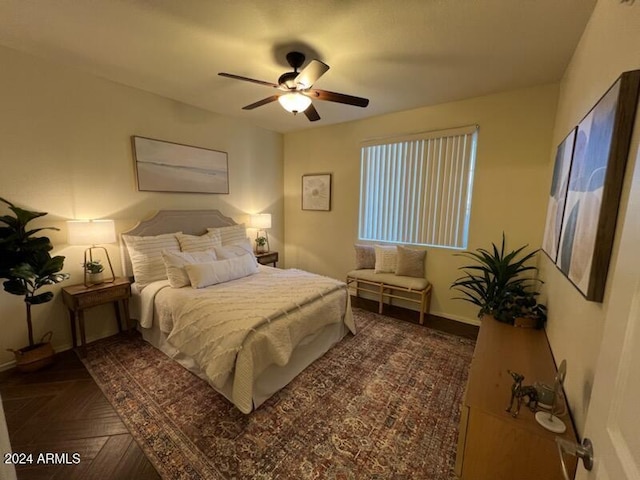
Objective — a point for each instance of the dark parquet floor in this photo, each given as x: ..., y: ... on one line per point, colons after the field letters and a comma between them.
x: 60, y: 409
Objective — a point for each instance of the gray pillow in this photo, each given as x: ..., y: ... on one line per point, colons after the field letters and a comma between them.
x: 365, y: 256
x: 410, y: 262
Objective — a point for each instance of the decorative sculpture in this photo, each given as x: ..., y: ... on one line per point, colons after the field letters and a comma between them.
x: 518, y: 392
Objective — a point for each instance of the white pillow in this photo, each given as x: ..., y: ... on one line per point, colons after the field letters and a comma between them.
x: 231, y: 234
x: 386, y: 259
x: 237, y: 249
x: 175, y: 262
x: 211, y: 273
x: 199, y: 243
x: 146, y: 256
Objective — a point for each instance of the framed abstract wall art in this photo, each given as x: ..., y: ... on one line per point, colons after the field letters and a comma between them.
x: 558, y: 196
x: 595, y: 184
x: 172, y: 167
x: 316, y: 192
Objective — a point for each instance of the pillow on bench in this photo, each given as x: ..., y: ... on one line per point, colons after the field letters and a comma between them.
x: 365, y: 256
x: 386, y: 259
x: 400, y: 260
x: 410, y: 262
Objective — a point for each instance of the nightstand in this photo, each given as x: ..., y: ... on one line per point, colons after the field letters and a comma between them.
x: 267, y: 258
x: 77, y: 298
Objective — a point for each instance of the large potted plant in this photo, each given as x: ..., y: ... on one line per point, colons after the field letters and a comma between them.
x: 497, y: 283
x: 27, y: 266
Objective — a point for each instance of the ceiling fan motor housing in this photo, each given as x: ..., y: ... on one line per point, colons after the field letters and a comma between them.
x: 295, y: 59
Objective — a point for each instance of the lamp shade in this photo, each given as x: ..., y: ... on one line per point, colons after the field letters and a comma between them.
x: 260, y: 220
x: 294, y: 102
x: 91, y: 232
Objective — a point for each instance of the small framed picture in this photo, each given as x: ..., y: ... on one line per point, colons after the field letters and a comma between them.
x: 316, y: 192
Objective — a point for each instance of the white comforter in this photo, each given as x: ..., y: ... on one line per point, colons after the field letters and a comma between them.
x: 241, y: 327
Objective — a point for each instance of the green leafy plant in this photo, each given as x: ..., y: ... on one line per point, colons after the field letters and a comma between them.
x: 25, y: 261
x: 261, y: 241
x: 495, y: 278
x: 93, y: 266
x: 521, y: 304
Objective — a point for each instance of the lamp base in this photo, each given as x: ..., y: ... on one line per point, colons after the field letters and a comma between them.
x: 550, y: 422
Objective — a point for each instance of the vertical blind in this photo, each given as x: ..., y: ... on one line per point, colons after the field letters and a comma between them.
x: 417, y: 189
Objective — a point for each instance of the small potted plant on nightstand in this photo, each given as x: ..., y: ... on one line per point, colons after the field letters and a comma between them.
x: 261, y: 244
x: 27, y: 266
x: 94, y: 269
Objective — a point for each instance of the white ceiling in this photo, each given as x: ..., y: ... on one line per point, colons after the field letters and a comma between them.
x: 401, y: 54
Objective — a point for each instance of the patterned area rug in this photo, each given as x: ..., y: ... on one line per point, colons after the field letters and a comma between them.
x: 383, y: 404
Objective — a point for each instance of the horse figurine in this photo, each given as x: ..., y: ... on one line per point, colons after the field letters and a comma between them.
x: 519, y: 392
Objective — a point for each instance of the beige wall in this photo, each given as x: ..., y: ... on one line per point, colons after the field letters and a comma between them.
x: 609, y: 46
x: 509, y: 191
x: 65, y: 149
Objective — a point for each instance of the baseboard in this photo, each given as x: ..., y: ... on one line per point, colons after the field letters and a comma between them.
x: 7, y: 366
x: 456, y: 318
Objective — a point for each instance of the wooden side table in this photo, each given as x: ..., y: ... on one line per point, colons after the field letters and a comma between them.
x: 267, y: 258
x: 77, y: 298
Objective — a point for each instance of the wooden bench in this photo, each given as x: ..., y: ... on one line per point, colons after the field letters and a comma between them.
x: 389, y: 286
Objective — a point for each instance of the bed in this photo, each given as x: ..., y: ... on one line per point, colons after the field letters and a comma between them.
x: 248, y: 337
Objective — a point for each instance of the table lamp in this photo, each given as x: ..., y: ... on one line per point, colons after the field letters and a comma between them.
x: 92, y: 232
x: 262, y: 222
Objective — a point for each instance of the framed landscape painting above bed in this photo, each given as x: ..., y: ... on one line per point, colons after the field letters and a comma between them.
x: 171, y: 167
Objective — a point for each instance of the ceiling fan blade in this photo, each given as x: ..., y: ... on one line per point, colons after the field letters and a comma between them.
x: 259, y: 103
x: 337, y: 97
x: 312, y: 113
x: 311, y: 73
x: 246, y: 79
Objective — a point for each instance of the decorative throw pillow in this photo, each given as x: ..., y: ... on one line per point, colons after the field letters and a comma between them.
x: 231, y: 234
x: 175, y: 262
x: 211, y: 273
x: 235, y: 249
x: 410, y: 262
x: 386, y: 259
x: 365, y: 256
x: 146, y: 256
x: 199, y: 243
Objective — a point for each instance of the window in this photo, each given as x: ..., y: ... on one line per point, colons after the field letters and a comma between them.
x: 417, y: 189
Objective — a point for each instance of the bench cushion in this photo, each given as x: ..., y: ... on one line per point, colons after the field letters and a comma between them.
x: 411, y: 283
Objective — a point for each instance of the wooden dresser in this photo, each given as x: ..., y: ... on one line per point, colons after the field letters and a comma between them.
x: 492, y: 445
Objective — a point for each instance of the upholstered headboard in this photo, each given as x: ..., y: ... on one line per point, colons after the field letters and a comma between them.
x: 192, y: 222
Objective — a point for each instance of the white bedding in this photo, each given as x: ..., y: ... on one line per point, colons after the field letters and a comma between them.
x: 236, y: 330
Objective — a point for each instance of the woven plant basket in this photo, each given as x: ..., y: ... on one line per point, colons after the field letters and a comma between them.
x: 35, y: 357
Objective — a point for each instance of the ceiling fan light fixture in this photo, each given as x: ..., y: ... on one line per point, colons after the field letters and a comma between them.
x: 294, y: 102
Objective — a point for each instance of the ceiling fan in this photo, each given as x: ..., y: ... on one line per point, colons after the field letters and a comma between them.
x: 295, y: 88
